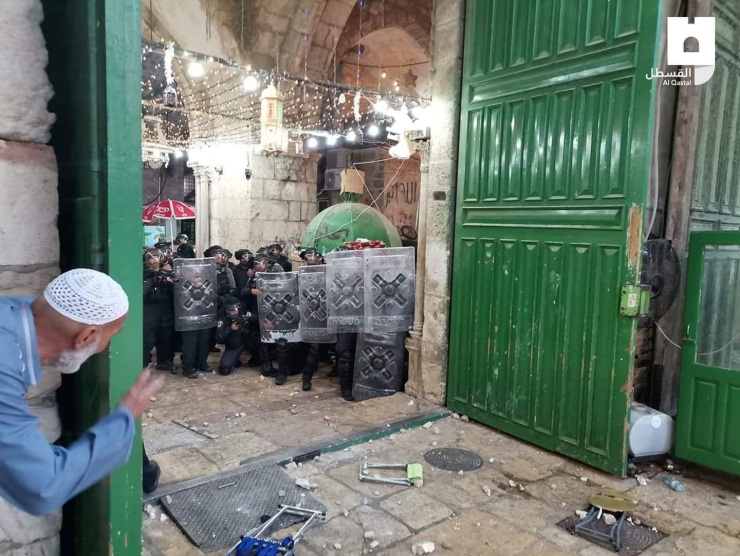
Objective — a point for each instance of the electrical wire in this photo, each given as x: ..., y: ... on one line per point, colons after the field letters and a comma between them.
x: 356, y: 218
x: 714, y: 352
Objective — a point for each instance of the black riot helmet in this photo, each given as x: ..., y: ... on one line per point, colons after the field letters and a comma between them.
x: 266, y: 251
x: 261, y: 263
x: 155, y: 255
x: 312, y: 256
x: 276, y: 250
x: 232, y: 306
x: 219, y: 255
x: 244, y: 257
x: 181, y: 238
x: 211, y: 251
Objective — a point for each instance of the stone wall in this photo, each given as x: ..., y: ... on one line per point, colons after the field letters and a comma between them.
x: 29, y: 241
x: 275, y: 205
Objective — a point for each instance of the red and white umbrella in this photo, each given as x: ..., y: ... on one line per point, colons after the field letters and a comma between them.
x: 169, y: 209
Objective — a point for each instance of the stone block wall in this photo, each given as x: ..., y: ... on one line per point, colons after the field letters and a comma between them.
x: 275, y: 205
x: 29, y: 240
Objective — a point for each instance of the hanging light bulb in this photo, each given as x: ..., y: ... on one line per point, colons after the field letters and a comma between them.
x: 383, y: 74
x: 196, y: 69
x: 381, y: 107
x: 178, y: 154
x: 373, y: 130
x: 397, y: 88
x: 351, y: 136
x: 342, y: 98
x: 313, y: 143
x: 251, y: 83
x: 331, y: 140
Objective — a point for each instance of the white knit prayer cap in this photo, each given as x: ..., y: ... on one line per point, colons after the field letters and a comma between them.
x: 87, y: 296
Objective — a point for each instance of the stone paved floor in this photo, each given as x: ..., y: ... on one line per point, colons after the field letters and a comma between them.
x: 454, y: 511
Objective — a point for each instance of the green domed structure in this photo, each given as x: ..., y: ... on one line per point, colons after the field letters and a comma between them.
x: 347, y: 222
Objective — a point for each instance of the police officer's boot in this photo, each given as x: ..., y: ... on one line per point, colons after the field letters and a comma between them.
x: 312, y: 363
x: 267, y: 369
x: 282, y: 360
x: 346, y: 366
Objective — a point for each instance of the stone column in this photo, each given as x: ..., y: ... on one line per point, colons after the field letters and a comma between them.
x: 203, y: 176
x: 29, y: 239
x: 446, y: 62
x: 414, y: 343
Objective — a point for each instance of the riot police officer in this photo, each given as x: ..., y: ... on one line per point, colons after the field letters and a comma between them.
x: 276, y: 252
x: 185, y: 249
x: 311, y: 257
x: 345, y: 355
x: 159, y: 324
x: 243, y: 270
x: 233, y: 330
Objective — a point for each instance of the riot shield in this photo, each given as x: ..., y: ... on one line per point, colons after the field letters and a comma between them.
x: 379, y: 363
x: 196, y: 299
x: 314, y: 315
x: 389, y: 289
x: 345, y: 281
x: 278, y: 307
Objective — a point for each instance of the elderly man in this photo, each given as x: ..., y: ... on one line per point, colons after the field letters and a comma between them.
x: 76, y: 317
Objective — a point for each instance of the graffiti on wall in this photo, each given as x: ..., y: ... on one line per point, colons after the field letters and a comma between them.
x: 401, y: 198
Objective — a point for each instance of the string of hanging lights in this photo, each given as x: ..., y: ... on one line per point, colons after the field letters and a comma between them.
x: 221, y: 100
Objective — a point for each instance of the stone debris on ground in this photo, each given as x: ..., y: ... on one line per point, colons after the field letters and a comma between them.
x: 411, y: 403
x: 163, y: 517
x: 337, y: 546
x: 374, y: 544
x: 292, y: 466
x: 423, y: 548
x: 487, y: 490
x: 609, y: 519
x: 512, y: 484
x: 282, y: 494
x: 150, y: 511
x: 152, y: 399
x: 435, y: 430
x: 427, y: 425
x: 303, y: 483
x: 642, y: 481
x: 584, y: 479
x: 369, y: 535
x: 465, y: 419
x: 455, y: 416
x: 491, y: 460
x: 346, y: 513
x: 554, y: 486
x: 581, y: 514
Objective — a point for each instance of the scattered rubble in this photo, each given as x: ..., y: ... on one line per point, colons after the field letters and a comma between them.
x: 609, y: 519
x: 435, y: 430
x: 282, y: 494
x: 423, y: 548
x: 337, y: 546
x: 369, y: 535
x: 163, y: 517
x: 461, y: 472
x: 642, y: 481
x: 581, y: 514
x: 446, y: 545
x: 303, y: 483
x: 150, y: 511
x: 374, y: 544
x: 491, y: 460
x: 455, y: 416
x: 427, y: 425
x: 520, y: 487
x: 152, y: 399
x: 584, y: 479
x: 291, y: 466
x: 487, y: 490
x: 465, y: 419
x: 411, y: 402
x: 554, y: 486
x: 346, y: 513
x: 512, y: 484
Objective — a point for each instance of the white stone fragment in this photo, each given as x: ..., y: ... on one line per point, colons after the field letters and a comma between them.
x: 163, y: 517
x: 346, y: 513
x: 427, y: 425
x: 487, y: 490
x: 642, y: 481
x: 376, y: 493
x: 609, y: 519
x: 282, y: 494
x: 423, y: 548
x: 461, y: 472
x: 581, y: 514
x: 392, y: 437
x: 465, y: 419
x: 455, y: 416
x: 374, y: 544
x: 291, y: 466
x: 337, y: 546
x: 584, y: 479
x: 369, y: 535
x: 512, y: 484
x: 435, y: 430
x: 152, y: 399
x: 303, y: 483
x: 520, y: 487
x: 554, y: 486
x: 411, y: 402
x: 491, y: 460
x: 434, y: 443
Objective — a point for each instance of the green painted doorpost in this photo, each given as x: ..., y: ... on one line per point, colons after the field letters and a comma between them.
x: 555, y: 141
x: 95, y: 68
x: 708, y: 420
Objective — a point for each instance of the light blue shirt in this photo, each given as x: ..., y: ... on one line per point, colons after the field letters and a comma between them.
x: 35, y: 475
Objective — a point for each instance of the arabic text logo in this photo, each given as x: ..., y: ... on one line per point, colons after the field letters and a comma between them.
x: 692, y: 44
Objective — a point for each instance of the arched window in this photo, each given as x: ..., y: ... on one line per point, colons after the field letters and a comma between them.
x: 691, y: 44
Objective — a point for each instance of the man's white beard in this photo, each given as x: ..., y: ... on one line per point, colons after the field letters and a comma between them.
x: 71, y: 360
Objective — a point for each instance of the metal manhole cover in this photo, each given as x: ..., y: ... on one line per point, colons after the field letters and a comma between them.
x: 168, y: 436
x: 453, y: 459
x: 633, y: 538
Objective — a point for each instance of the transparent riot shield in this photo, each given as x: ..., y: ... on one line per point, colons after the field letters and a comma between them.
x: 345, y: 281
x: 196, y: 298
x: 389, y: 289
x: 314, y: 312
x: 379, y: 364
x: 278, y: 307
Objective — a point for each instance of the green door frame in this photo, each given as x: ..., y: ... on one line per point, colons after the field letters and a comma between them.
x: 707, y: 421
x: 95, y: 68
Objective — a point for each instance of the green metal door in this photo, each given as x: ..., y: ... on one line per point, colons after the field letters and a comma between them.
x: 709, y: 395
x: 95, y: 69
x: 556, y: 131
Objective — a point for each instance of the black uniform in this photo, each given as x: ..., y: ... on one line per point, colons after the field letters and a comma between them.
x: 159, y: 318
x: 186, y: 251
x: 234, y: 330
x: 312, y: 257
x: 276, y: 252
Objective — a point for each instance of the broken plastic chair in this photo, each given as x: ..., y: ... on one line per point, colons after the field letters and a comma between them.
x: 613, y: 501
x: 252, y: 544
x: 414, y: 473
